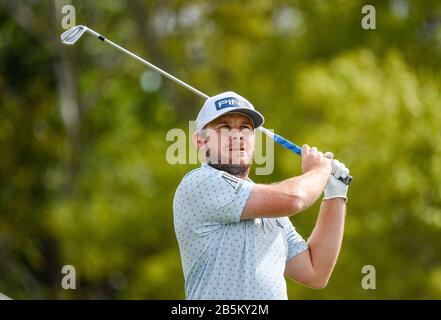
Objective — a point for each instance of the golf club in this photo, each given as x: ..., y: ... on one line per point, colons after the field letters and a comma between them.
x: 71, y: 36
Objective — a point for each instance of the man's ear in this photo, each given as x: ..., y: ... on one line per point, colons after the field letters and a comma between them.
x: 198, y: 141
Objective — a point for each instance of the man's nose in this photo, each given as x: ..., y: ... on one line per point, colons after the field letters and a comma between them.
x: 236, y: 134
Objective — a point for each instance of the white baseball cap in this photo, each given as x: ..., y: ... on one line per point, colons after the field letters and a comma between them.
x: 223, y: 103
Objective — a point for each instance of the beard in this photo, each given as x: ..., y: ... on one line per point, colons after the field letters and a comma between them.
x: 238, y: 170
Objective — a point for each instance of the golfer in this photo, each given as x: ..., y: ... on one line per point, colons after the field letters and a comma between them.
x: 235, y: 238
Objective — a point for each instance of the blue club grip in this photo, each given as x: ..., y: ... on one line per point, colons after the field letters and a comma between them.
x: 296, y: 149
x: 287, y: 144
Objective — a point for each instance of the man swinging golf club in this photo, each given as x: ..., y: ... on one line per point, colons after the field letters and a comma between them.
x: 235, y: 238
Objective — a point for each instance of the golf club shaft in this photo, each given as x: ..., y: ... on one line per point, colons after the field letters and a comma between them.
x: 152, y: 66
x: 277, y: 138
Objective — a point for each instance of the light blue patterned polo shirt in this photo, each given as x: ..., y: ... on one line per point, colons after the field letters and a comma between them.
x: 222, y: 256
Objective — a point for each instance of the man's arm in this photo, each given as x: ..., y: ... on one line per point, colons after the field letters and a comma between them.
x: 313, y: 267
x: 292, y: 195
x: 287, y: 197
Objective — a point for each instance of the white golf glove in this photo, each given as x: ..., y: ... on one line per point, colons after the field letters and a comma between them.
x: 334, y: 187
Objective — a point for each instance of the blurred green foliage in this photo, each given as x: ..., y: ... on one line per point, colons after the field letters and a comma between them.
x: 83, y: 175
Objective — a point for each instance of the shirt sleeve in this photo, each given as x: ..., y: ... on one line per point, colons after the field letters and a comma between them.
x: 296, y: 244
x: 216, y: 199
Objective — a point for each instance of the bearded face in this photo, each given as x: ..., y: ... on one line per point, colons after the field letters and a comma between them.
x: 228, y: 143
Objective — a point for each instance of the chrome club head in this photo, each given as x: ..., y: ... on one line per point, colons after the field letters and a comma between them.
x: 69, y: 37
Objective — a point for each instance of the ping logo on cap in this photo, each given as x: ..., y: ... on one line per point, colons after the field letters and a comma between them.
x: 229, y: 102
